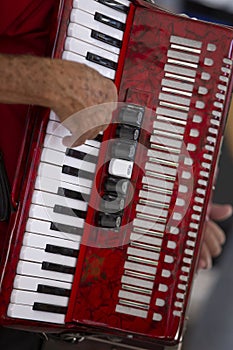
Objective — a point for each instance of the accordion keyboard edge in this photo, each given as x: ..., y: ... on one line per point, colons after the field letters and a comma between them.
x: 114, y: 227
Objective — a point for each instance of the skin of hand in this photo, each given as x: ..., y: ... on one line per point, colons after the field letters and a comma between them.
x: 214, y: 237
x: 65, y: 87
x: 87, y: 100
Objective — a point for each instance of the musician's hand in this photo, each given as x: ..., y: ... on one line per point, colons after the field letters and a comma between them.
x: 76, y: 88
x: 214, y: 237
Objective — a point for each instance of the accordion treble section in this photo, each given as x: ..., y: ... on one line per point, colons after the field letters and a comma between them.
x: 107, y: 235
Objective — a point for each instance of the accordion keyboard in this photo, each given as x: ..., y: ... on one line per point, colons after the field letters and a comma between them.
x: 59, y: 203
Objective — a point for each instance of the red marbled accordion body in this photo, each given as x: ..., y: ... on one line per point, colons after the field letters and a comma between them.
x: 151, y: 35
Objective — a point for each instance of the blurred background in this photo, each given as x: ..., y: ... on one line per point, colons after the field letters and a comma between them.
x: 211, y: 309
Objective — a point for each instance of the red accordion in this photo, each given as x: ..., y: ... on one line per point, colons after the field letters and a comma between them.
x: 104, y: 237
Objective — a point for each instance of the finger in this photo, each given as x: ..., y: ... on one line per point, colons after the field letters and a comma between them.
x: 205, y: 260
x: 214, y: 229
x: 212, y: 239
x: 76, y: 140
x: 220, y: 211
x: 88, y: 121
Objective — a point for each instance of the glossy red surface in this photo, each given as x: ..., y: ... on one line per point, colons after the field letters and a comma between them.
x: 103, y: 252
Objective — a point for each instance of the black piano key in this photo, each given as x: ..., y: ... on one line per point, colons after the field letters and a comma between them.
x: 61, y: 250
x: 107, y: 39
x: 48, y: 266
x: 109, y: 21
x: 81, y: 155
x: 60, y: 209
x: 65, y: 192
x: 66, y: 169
x: 101, y: 61
x: 56, y: 309
x: 55, y: 226
x: 114, y: 5
x: 63, y: 292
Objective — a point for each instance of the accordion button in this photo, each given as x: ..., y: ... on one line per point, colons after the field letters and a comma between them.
x: 121, y: 168
x: 109, y: 220
x: 113, y: 184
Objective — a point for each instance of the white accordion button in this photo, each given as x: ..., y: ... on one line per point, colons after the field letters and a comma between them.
x: 121, y: 168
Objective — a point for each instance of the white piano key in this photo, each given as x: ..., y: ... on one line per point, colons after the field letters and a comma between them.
x: 172, y: 113
x: 157, y: 212
x: 28, y: 268
x: 131, y: 311
x: 178, y: 85
x: 140, y: 267
x: 142, y: 253
x: 160, y: 169
x: 145, y: 224
x: 57, y: 129
x: 87, y: 20
x: 58, y: 158
x: 92, y: 7
x: 29, y: 298
x: 52, y: 186
x: 106, y: 72
x: 183, y: 56
x: 81, y: 48
x: 157, y: 183
x: 39, y: 255
x: 186, y: 42
x: 174, y: 99
x: 168, y: 127
x: 31, y: 283
x: 152, y: 241
x: 54, y: 142
x: 54, y: 172
x: 26, y: 312
x: 180, y: 70
x: 137, y: 282
x: 134, y: 296
x: 49, y: 200
x: 40, y: 242
x: 53, y: 116
x: 82, y: 33
x: 43, y: 213
x: 166, y: 141
x: 43, y: 227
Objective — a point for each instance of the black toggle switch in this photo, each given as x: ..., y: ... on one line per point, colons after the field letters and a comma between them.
x: 108, y: 220
x: 113, y: 184
x: 124, y: 150
x: 127, y: 132
x: 132, y: 115
x: 112, y: 204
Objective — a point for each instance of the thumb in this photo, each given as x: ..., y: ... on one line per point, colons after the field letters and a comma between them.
x: 220, y: 212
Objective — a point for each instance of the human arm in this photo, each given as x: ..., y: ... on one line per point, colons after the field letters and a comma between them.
x: 65, y: 87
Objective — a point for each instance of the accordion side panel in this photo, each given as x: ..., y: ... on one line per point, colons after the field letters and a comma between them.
x: 177, y: 66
